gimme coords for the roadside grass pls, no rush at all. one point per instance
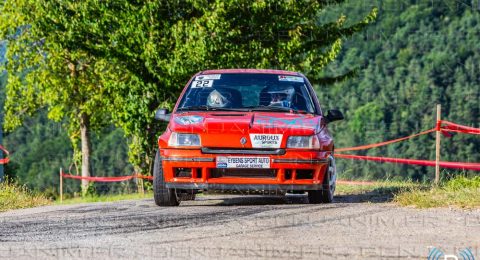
(459, 192)
(385, 187)
(13, 196)
(381, 191)
(104, 198)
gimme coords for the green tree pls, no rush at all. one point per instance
(158, 45)
(83, 58)
(41, 146)
(46, 68)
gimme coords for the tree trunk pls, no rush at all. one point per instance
(85, 135)
(137, 167)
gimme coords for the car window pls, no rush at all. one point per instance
(242, 91)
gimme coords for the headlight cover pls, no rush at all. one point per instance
(303, 142)
(179, 139)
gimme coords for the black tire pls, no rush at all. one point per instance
(329, 184)
(162, 195)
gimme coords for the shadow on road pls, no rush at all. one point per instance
(248, 200)
(376, 195)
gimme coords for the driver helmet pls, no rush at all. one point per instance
(281, 96)
(216, 99)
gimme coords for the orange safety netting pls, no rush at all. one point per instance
(442, 126)
(451, 165)
(452, 127)
(368, 146)
(107, 179)
(6, 159)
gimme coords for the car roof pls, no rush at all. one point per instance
(250, 71)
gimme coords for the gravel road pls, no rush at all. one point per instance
(227, 226)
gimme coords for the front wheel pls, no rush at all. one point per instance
(329, 184)
(161, 194)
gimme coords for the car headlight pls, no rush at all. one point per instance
(178, 139)
(304, 142)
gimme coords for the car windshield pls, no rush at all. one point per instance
(248, 92)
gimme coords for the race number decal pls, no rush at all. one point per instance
(266, 140)
(202, 83)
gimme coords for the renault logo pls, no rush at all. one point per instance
(243, 140)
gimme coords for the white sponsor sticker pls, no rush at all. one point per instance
(290, 78)
(266, 140)
(202, 83)
(209, 76)
(243, 162)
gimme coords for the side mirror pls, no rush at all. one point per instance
(162, 115)
(334, 115)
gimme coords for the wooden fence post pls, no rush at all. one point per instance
(437, 146)
(61, 186)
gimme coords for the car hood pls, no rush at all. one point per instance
(225, 129)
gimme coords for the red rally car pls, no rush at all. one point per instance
(245, 130)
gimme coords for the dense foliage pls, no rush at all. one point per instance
(46, 69)
(418, 54)
(91, 62)
(41, 147)
(158, 45)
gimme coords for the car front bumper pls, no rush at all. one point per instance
(290, 170)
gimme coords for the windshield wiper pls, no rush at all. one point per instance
(208, 108)
(194, 108)
(274, 108)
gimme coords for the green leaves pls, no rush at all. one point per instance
(120, 60)
(413, 58)
(161, 44)
(46, 66)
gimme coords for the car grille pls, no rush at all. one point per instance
(244, 173)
